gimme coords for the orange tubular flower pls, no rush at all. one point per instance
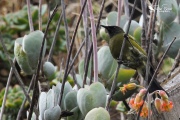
(158, 105)
(131, 102)
(136, 102)
(167, 105)
(144, 112)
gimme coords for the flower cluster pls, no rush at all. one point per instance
(137, 102)
(163, 104)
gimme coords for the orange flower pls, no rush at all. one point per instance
(136, 102)
(144, 112)
(158, 105)
(163, 94)
(167, 105)
(131, 102)
(123, 89)
(130, 86)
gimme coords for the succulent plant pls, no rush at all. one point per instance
(133, 27)
(167, 10)
(97, 114)
(89, 97)
(48, 106)
(27, 50)
(106, 63)
(49, 70)
(48, 103)
(13, 102)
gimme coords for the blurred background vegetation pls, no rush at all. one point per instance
(14, 24)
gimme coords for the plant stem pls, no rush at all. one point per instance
(150, 25)
(6, 91)
(70, 49)
(29, 16)
(126, 8)
(40, 18)
(91, 47)
(35, 93)
(86, 29)
(87, 66)
(68, 45)
(24, 101)
(72, 63)
(15, 70)
(54, 39)
(119, 12)
(94, 39)
(145, 20)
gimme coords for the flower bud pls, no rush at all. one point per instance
(142, 92)
(163, 94)
(130, 86)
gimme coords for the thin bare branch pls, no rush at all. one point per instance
(70, 49)
(6, 91)
(24, 101)
(119, 12)
(35, 93)
(15, 70)
(29, 16)
(72, 63)
(126, 7)
(40, 17)
(145, 25)
(54, 39)
(94, 39)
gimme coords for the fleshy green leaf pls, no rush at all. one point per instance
(90, 97)
(137, 34)
(70, 100)
(112, 18)
(134, 25)
(124, 76)
(167, 10)
(42, 104)
(21, 57)
(170, 31)
(52, 113)
(98, 114)
(32, 46)
(49, 70)
(50, 99)
(106, 63)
